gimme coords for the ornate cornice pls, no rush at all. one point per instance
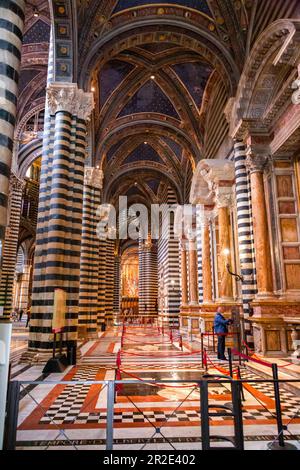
(68, 97)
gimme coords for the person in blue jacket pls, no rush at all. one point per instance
(220, 328)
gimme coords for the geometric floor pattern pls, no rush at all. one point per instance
(80, 410)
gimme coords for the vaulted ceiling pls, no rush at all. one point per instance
(161, 72)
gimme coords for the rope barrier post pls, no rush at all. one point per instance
(12, 409)
(238, 417)
(110, 415)
(205, 360)
(202, 350)
(230, 361)
(240, 378)
(239, 346)
(214, 340)
(204, 415)
(280, 426)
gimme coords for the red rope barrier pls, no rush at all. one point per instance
(258, 361)
(167, 354)
(158, 384)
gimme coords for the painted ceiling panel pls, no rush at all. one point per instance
(194, 76)
(142, 153)
(26, 76)
(39, 32)
(112, 150)
(200, 5)
(153, 184)
(149, 98)
(111, 75)
(177, 149)
(157, 47)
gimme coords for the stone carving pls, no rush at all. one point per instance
(296, 87)
(224, 196)
(93, 177)
(68, 97)
(256, 163)
(257, 339)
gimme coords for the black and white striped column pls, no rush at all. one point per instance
(11, 29)
(89, 258)
(101, 284)
(245, 234)
(10, 247)
(109, 284)
(57, 257)
(117, 286)
(168, 264)
(148, 278)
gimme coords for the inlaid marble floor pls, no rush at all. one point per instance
(62, 416)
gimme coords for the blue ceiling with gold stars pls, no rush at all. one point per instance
(194, 76)
(111, 75)
(141, 153)
(149, 98)
(200, 5)
(39, 32)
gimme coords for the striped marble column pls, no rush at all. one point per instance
(57, 256)
(109, 284)
(10, 246)
(117, 286)
(245, 234)
(148, 278)
(101, 284)
(89, 258)
(168, 264)
(11, 29)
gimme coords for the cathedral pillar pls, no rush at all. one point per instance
(245, 234)
(11, 30)
(193, 272)
(58, 244)
(89, 258)
(184, 276)
(223, 199)
(257, 159)
(10, 247)
(206, 261)
(101, 285)
(117, 286)
(148, 290)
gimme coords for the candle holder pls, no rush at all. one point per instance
(238, 277)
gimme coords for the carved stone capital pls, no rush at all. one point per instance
(93, 177)
(256, 163)
(224, 196)
(68, 97)
(296, 87)
(16, 184)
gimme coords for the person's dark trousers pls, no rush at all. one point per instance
(221, 346)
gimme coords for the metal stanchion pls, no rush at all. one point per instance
(230, 361)
(110, 415)
(214, 340)
(12, 409)
(279, 444)
(202, 350)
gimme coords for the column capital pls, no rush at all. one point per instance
(207, 217)
(258, 153)
(16, 183)
(68, 97)
(224, 196)
(93, 177)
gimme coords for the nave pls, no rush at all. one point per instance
(74, 416)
